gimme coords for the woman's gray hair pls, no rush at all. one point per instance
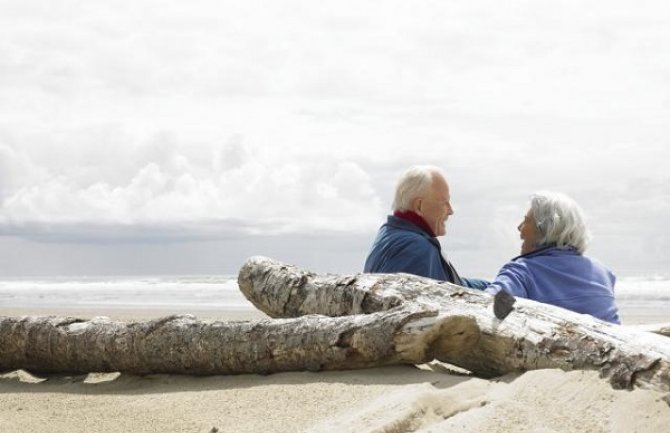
(559, 221)
(415, 182)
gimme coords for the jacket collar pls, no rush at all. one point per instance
(403, 224)
(549, 250)
(415, 219)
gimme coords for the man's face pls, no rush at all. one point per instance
(435, 207)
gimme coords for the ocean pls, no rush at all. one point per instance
(643, 296)
(157, 292)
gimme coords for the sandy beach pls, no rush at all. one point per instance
(153, 152)
(392, 399)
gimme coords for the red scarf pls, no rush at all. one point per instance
(415, 218)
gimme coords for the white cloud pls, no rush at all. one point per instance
(521, 57)
(16, 170)
(291, 117)
(175, 190)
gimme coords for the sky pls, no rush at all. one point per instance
(172, 137)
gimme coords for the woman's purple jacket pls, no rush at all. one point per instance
(561, 277)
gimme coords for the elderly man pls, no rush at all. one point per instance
(407, 242)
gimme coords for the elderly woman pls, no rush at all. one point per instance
(552, 268)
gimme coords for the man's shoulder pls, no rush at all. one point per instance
(395, 234)
(401, 226)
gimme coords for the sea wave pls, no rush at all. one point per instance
(218, 292)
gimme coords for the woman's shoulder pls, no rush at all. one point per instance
(517, 265)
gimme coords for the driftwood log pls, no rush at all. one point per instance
(343, 322)
(658, 328)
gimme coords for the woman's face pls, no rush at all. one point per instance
(528, 232)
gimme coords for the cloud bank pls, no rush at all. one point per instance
(223, 120)
(216, 192)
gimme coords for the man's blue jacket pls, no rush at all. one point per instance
(402, 246)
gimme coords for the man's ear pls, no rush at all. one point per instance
(416, 205)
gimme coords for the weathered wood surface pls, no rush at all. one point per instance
(533, 336)
(342, 322)
(182, 344)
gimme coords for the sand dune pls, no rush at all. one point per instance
(289, 402)
(538, 401)
(388, 400)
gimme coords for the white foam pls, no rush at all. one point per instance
(220, 292)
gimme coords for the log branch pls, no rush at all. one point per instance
(185, 345)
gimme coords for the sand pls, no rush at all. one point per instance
(391, 400)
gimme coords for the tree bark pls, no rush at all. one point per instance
(342, 322)
(184, 345)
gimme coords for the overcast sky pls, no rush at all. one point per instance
(181, 137)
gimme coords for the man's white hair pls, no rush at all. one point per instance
(559, 221)
(415, 182)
